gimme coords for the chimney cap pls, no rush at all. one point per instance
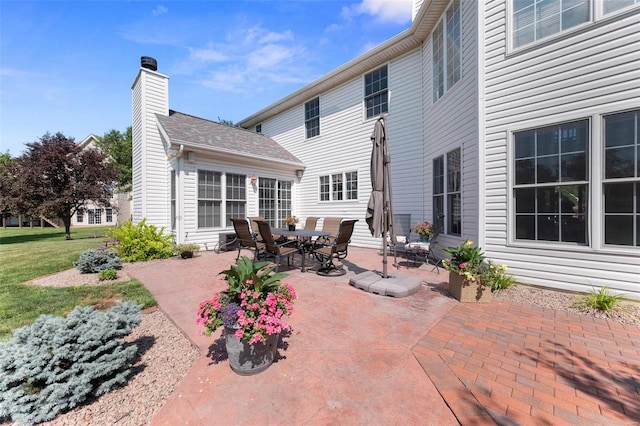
(149, 63)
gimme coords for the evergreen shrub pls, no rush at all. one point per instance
(56, 363)
(92, 261)
(137, 243)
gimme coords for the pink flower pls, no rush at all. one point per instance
(463, 265)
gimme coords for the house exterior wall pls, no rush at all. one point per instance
(582, 74)
(452, 122)
(150, 165)
(344, 145)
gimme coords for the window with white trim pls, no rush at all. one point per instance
(312, 117)
(173, 200)
(447, 51)
(236, 197)
(109, 215)
(209, 199)
(339, 186)
(80, 215)
(376, 96)
(535, 20)
(95, 216)
(274, 202)
(438, 193)
(551, 183)
(447, 193)
(621, 182)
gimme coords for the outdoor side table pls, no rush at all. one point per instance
(419, 252)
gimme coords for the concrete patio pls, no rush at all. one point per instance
(359, 358)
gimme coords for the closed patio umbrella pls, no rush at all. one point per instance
(379, 215)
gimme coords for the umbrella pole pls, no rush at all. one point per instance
(386, 197)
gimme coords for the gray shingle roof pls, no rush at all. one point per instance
(207, 134)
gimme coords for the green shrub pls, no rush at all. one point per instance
(107, 275)
(601, 300)
(495, 276)
(56, 363)
(141, 242)
(92, 261)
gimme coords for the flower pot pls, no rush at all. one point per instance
(292, 227)
(424, 238)
(468, 291)
(246, 359)
(186, 254)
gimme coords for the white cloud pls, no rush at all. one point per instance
(159, 10)
(207, 55)
(396, 11)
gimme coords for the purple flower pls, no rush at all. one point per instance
(229, 314)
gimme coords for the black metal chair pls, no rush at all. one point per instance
(246, 239)
(337, 249)
(274, 249)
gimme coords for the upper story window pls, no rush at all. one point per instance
(339, 186)
(376, 96)
(312, 117)
(259, 128)
(610, 6)
(447, 51)
(537, 19)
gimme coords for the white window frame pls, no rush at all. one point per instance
(447, 54)
(596, 12)
(312, 118)
(213, 200)
(338, 187)
(376, 93)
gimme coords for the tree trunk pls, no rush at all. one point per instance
(67, 227)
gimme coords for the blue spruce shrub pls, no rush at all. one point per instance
(56, 363)
(92, 261)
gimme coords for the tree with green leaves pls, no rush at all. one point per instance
(5, 182)
(118, 146)
(55, 177)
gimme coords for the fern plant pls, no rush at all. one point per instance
(56, 363)
(140, 242)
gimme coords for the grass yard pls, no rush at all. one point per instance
(31, 253)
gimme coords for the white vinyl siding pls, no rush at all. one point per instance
(587, 75)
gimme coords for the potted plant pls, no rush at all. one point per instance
(425, 230)
(186, 250)
(465, 273)
(291, 221)
(251, 310)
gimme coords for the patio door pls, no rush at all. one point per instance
(274, 201)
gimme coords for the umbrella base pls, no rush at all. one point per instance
(394, 285)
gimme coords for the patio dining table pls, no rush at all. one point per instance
(300, 235)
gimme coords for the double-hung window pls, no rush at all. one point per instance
(447, 50)
(621, 184)
(80, 215)
(109, 215)
(551, 183)
(209, 199)
(339, 186)
(447, 185)
(312, 117)
(376, 96)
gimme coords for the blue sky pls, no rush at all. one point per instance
(68, 66)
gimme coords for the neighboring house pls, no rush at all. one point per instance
(92, 214)
(514, 125)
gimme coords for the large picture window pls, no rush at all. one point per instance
(447, 50)
(621, 184)
(339, 186)
(376, 96)
(209, 199)
(312, 117)
(551, 183)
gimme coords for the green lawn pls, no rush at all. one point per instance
(30, 253)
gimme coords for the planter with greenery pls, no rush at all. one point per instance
(251, 310)
(186, 250)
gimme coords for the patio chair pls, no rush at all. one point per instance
(276, 250)
(246, 239)
(402, 227)
(331, 225)
(310, 223)
(424, 252)
(335, 250)
(254, 226)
